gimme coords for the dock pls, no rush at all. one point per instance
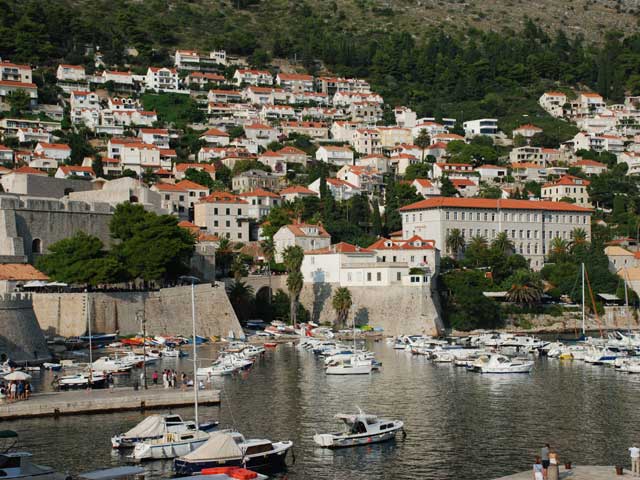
(83, 402)
(583, 472)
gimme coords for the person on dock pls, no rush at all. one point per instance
(538, 470)
(154, 378)
(165, 379)
(544, 456)
(634, 453)
(553, 470)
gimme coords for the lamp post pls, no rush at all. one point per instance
(193, 281)
(143, 328)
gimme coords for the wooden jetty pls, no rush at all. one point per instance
(103, 401)
(583, 472)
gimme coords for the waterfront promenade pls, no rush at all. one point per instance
(585, 472)
(103, 401)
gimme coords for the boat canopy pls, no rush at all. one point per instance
(351, 418)
(220, 446)
(152, 426)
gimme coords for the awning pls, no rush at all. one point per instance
(495, 294)
(609, 297)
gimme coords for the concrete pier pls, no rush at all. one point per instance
(584, 472)
(103, 401)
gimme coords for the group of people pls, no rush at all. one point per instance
(15, 390)
(170, 379)
(546, 466)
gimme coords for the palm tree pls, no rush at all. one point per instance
(526, 288)
(503, 243)
(240, 295)
(455, 242)
(578, 237)
(478, 242)
(223, 255)
(269, 252)
(423, 140)
(292, 258)
(341, 303)
(559, 248)
(238, 268)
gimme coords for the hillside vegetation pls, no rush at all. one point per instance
(425, 54)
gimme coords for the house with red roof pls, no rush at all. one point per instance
(70, 73)
(466, 187)
(567, 187)
(83, 99)
(277, 162)
(6, 154)
(335, 155)
(526, 131)
(489, 173)
(154, 136)
(292, 193)
(308, 236)
(454, 170)
(367, 179)
(315, 130)
(75, 171)
(59, 151)
(426, 187)
(590, 167)
(244, 76)
(215, 137)
(260, 133)
(295, 82)
(260, 202)
(340, 189)
(10, 86)
(530, 225)
(162, 79)
(178, 198)
(14, 72)
(223, 214)
(376, 161)
(416, 252)
(201, 79)
(180, 169)
(553, 103)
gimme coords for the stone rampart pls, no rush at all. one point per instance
(398, 309)
(167, 311)
(20, 336)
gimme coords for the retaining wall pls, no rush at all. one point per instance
(20, 336)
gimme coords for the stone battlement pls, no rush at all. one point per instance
(43, 204)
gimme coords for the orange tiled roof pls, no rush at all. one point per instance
(341, 247)
(20, 271)
(490, 203)
(222, 197)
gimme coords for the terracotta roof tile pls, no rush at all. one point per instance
(489, 203)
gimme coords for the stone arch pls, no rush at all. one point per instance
(36, 245)
(263, 293)
(133, 199)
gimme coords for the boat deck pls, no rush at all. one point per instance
(80, 402)
(583, 472)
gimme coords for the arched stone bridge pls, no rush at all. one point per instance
(260, 282)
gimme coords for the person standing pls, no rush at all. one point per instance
(537, 469)
(544, 456)
(154, 378)
(165, 380)
(553, 471)
(634, 453)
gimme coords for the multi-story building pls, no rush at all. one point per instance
(567, 186)
(261, 134)
(367, 179)
(315, 130)
(335, 155)
(483, 126)
(223, 214)
(7, 87)
(201, 79)
(553, 103)
(366, 141)
(294, 82)
(162, 79)
(70, 73)
(59, 151)
(526, 131)
(155, 136)
(304, 235)
(530, 225)
(255, 179)
(340, 189)
(252, 77)
(453, 170)
(292, 193)
(393, 136)
(15, 73)
(178, 198)
(260, 202)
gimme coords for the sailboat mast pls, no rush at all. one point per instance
(88, 317)
(195, 357)
(583, 304)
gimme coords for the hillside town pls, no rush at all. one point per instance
(265, 139)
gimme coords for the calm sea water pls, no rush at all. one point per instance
(460, 425)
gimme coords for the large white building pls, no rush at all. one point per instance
(567, 186)
(305, 235)
(223, 214)
(161, 79)
(530, 225)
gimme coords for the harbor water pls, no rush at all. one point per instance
(460, 425)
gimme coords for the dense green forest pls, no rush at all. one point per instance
(465, 74)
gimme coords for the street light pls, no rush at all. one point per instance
(143, 327)
(193, 280)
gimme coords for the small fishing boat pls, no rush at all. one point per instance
(52, 366)
(228, 448)
(350, 365)
(154, 427)
(360, 429)
(496, 363)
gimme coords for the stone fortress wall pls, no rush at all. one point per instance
(20, 336)
(167, 312)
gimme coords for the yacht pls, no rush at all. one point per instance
(170, 445)
(81, 380)
(360, 429)
(496, 363)
(229, 448)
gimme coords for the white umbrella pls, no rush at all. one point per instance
(35, 284)
(17, 375)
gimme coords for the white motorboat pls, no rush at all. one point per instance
(215, 371)
(154, 427)
(81, 380)
(601, 356)
(360, 429)
(228, 448)
(350, 365)
(496, 363)
(111, 365)
(170, 445)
